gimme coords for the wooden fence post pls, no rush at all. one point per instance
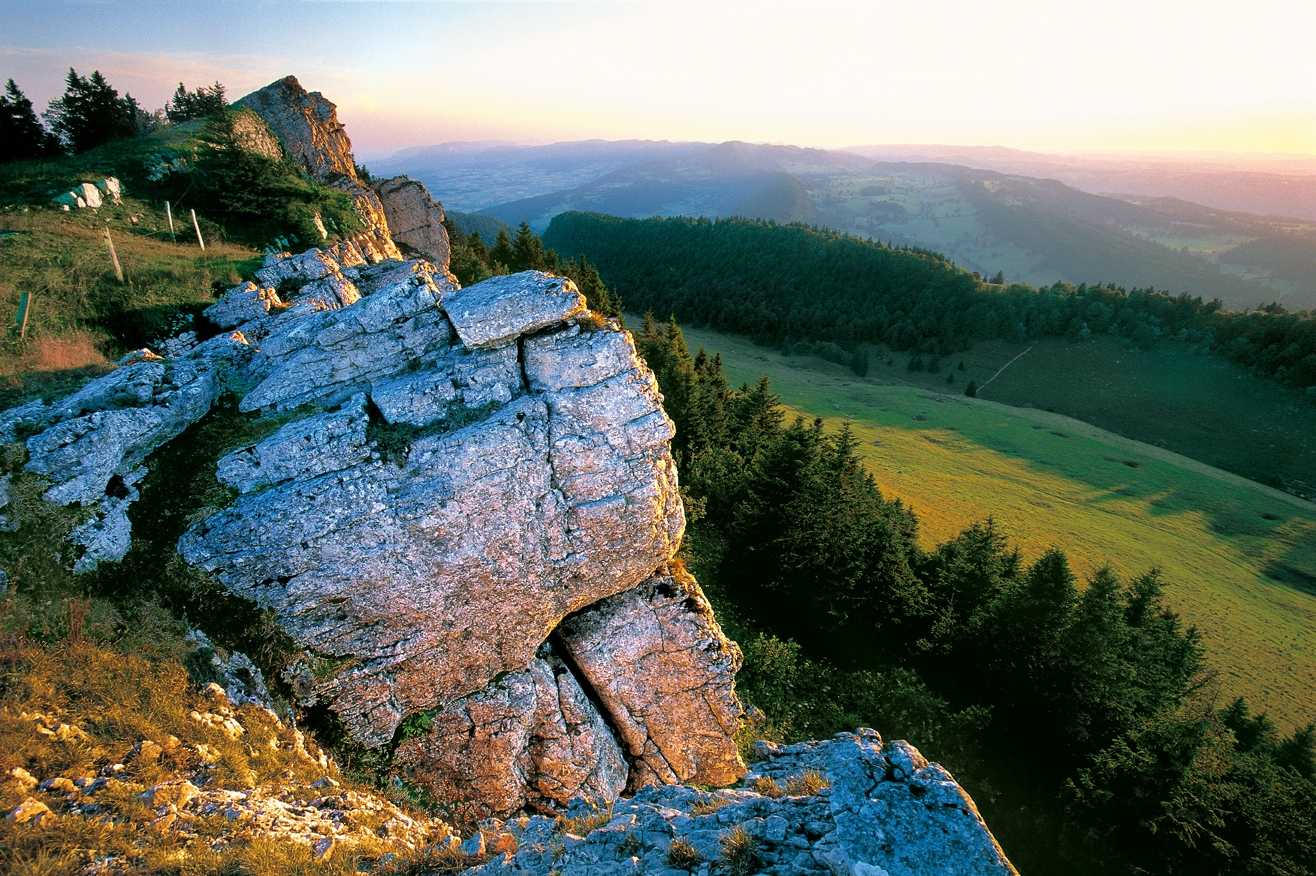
(24, 304)
(198, 230)
(170, 214)
(114, 257)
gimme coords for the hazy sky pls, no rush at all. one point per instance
(1040, 74)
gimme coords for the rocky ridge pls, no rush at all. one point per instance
(466, 521)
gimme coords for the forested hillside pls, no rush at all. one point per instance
(780, 283)
(1082, 717)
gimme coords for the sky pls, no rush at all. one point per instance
(1047, 75)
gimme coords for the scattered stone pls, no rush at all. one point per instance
(31, 811)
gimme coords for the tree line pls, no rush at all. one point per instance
(786, 284)
(472, 260)
(1087, 711)
(91, 113)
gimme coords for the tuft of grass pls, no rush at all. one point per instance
(739, 851)
(767, 786)
(806, 784)
(583, 825)
(682, 854)
(708, 804)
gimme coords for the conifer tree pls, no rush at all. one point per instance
(502, 256)
(91, 113)
(199, 104)
(22, 135)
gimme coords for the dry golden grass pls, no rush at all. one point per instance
(708, 804)
(806, 784)
(113, 679)
(767, 786)
(77, 349)
(739, 851)
(583, 825)
(682, 854)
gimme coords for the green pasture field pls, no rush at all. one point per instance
(1238, 558)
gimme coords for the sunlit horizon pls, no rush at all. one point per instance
(1159, 77)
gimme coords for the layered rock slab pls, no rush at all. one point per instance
(663, 671)
(519, 501)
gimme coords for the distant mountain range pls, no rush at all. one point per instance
(1031, 216)
(1262, 183)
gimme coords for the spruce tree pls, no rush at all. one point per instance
(91, 113)
(528, 252)
(502, 256)
(22, 135)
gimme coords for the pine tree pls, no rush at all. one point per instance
(528, 252)
(91, 113)
(22, 135)
(199, 104)
(502, 256)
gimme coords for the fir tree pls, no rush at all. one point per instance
(91, 113)
(22, 135)
(202, 103)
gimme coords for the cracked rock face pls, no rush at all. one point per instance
(414, 218)
(659, 664)
(531, 738)
(462, 470)
(308, 127)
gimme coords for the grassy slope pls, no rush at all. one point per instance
(81, 316)
(1050, 480)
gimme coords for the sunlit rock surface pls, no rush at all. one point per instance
(848, 806)
(414, 218)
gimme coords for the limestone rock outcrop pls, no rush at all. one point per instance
(848, 806)
(537, 481)
(458, 471)
(307, 125)
(397, 210)
(414, 218)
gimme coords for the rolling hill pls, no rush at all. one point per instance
(1032, 230)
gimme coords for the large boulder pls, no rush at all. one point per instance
(462, 470)
(414, 218)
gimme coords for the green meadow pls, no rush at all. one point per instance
(1238, 557)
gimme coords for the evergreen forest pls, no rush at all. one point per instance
(787, 284)
(1082, 716)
